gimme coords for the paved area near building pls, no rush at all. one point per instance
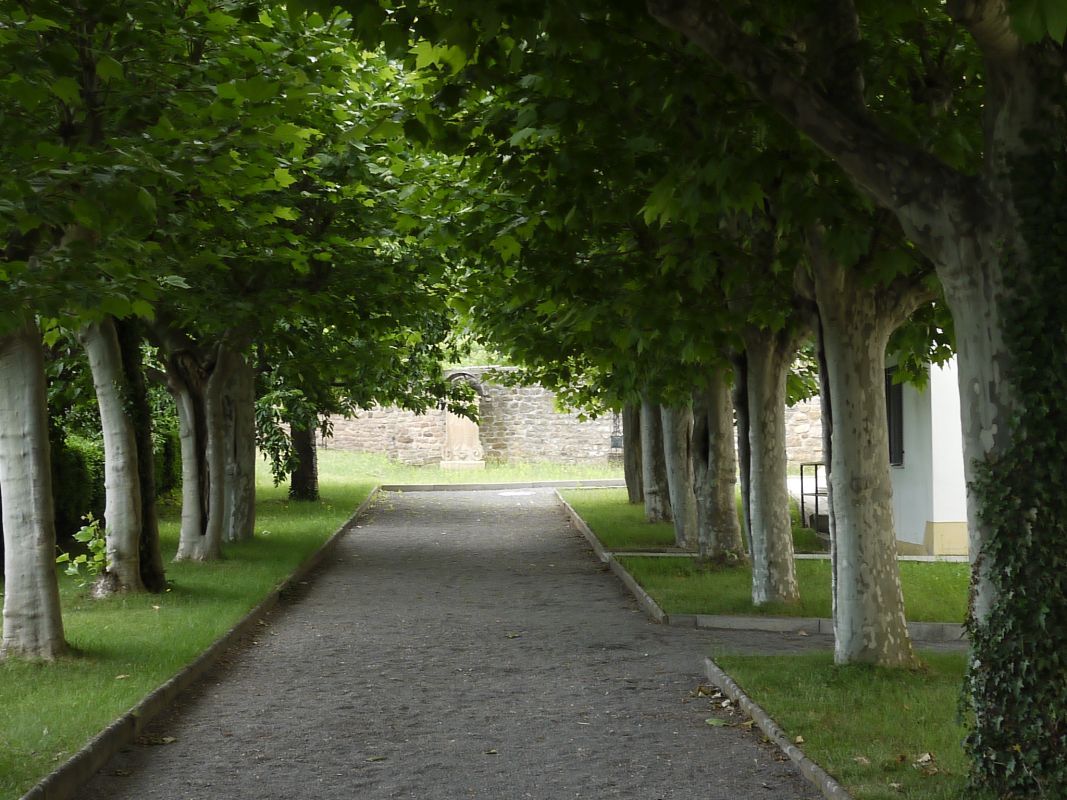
(460, 645)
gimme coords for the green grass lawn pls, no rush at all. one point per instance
(933, 592)
(620, 525)
(127, 646)
(870, 728)
(382, 470)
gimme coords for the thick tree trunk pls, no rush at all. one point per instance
(198, 392)
(239, 402)
(773, 571)
(856, 321)
(304, 480)
(653, 465)
(715, 471)
(122, 476)
(677, 425)
(826, 407)
(153, 575)
(744, 445)
(33, 626)
(631, 452)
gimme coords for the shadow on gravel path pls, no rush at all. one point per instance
(459, 645)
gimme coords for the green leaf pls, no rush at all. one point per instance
(1056, 19)
(283, 178)
(715, 722)
(508, 246)
(66, 89)
(108, 69)
(285, 212)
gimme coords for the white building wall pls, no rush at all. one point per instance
(950, 488)
(913, 481)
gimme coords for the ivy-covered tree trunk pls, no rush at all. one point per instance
(715, 470)
(153, 575)
(122, 476)
(857, 319)
(653, 465)
(33, 626)
(631, 452)
(239, 404)
(677, 422)
(773, 571)
(997, 240)
(304, 479)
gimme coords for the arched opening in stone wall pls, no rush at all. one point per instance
(462, 443)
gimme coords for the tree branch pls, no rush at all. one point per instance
(914, 184)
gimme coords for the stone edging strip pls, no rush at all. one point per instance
(583, 483)
(820, 778)
(64, 782)
(921, 631)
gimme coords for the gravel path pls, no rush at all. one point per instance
(459, 645)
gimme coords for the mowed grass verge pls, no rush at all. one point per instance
(125, 647)
(619, 525)
(884, 734)
(933, 592)
(382, 470)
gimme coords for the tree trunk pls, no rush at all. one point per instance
(239, 403)
(857, 320)
(153, 575)
(653, 465)
(773, 571)
(677, 425)
(631, 455)
(198, 389)
(744, 445)
(826, 414)
(122, 484)
(33, 626)
(304, 480)
(715, 471)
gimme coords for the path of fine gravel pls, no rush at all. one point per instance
(459, 645)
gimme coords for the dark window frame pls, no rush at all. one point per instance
(894, 414)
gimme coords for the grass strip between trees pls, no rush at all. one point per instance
(127, 646)
(884, 734)
(621, 526)
(933, 592)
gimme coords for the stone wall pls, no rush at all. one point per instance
(803, 432)
(517, 424)
(521, 424)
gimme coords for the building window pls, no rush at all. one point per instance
(894, 407)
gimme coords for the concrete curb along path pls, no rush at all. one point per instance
(825, 783)
(65, 781)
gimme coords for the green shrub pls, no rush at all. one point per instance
(167, 451)
(77, 481)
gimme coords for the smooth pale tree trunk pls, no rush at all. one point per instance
(715, 471)
(33, 627)
(122, 477)
(304, 479)
(198, 391)
(773, 571)
(677, 422)
(631, 452)
(153, 575)
(239, 403)
(856, 322)
(653, 465)
(744, 446)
